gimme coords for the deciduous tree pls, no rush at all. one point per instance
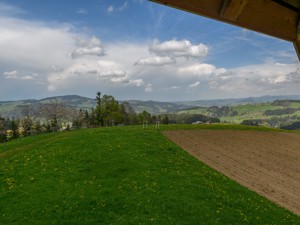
(108, 110)
(54, 112)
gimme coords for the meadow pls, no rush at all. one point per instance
(248, 112)
(122, 175)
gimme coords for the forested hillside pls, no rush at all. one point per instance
(278, 113)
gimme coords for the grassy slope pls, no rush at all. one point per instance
(250, 111)
(121, 176)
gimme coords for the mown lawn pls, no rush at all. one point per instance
(121, 175)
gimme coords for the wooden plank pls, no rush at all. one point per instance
(297, 48)
(232, 9)
(269, 18)
(295, 3)
(207, 8)
(263, 16)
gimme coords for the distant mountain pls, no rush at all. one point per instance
(154, 107)
(13, 108)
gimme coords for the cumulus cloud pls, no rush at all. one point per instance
(85, 69)
(92, 71)
(201, 70)
(112, 73)
(86, 47)
(11, 74)
(165, 53)
(182, 48)
(293, 77)
(15, 75)
(137, 82)
(32, 49)
(256, 80)
(155, 61)
(283, 79)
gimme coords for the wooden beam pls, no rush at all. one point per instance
(265, 16)
(297, 48)
(297, 41)
(298, 31)
(232, 9)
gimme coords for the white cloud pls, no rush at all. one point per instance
(27, 78)
(92, 71)
(257, 80)
(113, 73)
(169, 52)
(201, 70)
(137, 82)
(123, 79)
(85, 47)
(33, 45)
(182, 48)
(155, 61)
(148, 88)
(292, 77)
(121, 8)
(11, 74)
(15, 75)
(194, 85)
(83, 68)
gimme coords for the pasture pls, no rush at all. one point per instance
(122, 175)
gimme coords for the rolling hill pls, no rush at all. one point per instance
(12, 108)
(121, 175)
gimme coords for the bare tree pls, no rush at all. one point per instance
(54, 112)
(28, 111)
(2, 130)
(27, 121)
(77, 117)
(2, 123)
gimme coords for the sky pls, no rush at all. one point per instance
(135, 49)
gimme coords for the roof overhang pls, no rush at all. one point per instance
(277, 18)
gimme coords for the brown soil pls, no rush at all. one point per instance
(265, 162)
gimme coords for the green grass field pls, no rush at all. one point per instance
(247, 111)
(121, 175)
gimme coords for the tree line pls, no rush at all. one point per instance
(57, 116)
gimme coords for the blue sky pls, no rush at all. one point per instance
(135, 49)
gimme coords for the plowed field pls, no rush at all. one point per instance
(265, 162)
